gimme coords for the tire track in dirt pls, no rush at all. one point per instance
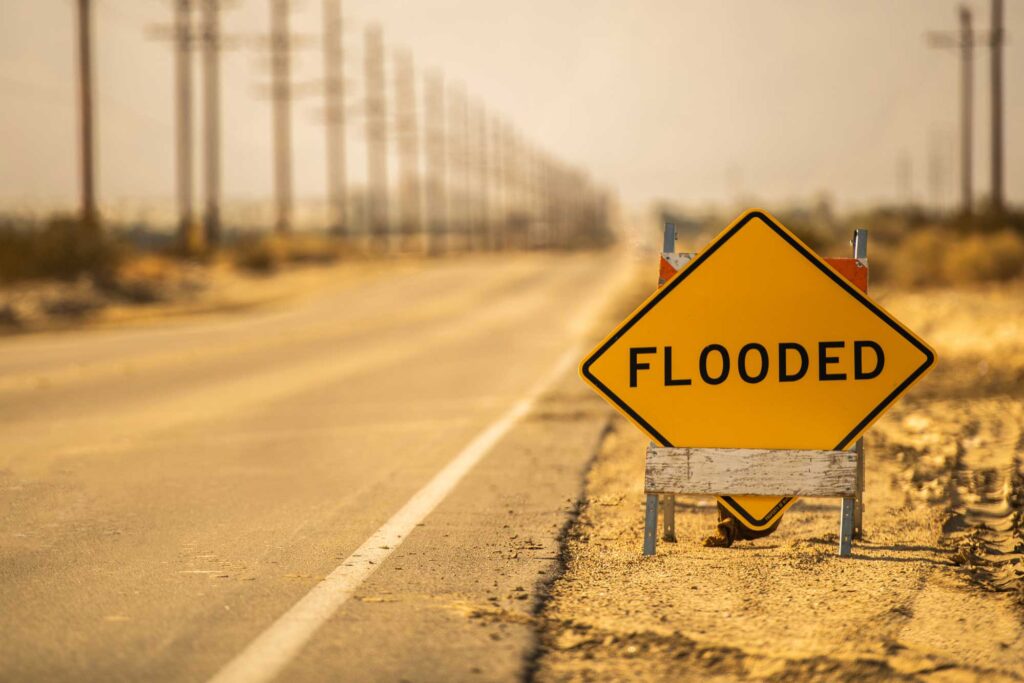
(963, 435)
(980, 477)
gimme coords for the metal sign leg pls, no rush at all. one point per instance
(651, 525)
(668, 532)
(846, 527)
(858, 510)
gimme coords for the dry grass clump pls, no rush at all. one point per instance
(940, 256)
(980, 258)
(267, 254)
(61, 248)
(152, 277)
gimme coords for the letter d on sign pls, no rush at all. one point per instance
(858, 360)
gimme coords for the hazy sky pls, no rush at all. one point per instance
(693, 101)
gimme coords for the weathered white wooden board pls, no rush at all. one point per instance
(739, 471)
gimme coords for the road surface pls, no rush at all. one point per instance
(168, 493)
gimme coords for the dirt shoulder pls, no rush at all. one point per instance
(933, 592)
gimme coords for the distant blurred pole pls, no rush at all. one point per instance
(334, 106)
(471, 162)
(183, 118)
(904, 180)
(280, 66)
(88, 182)
(513, 192)
(455, 132)
(937, 169)
(497, 203)
(407, 135)
(434, 132)
(543, 187)
(997, 40)
(210, 32)
(376, 137)
(537, 191)
(966, 108)
(963, 40)
(483, 171)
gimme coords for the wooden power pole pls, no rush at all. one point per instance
(376, 138)
(964, 42)
(334, 108)
(407, 135)
(434, 132)
(210, 33)
(281, 94)
(482, 170)
(997, 106)
(183, 117)
(966, 109)
(88, 168)
(457, 147)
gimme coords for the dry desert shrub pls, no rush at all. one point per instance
(936, 256)
(148, 278)
(62, 248)
(917, 261)
(268, 254)
(982, 258)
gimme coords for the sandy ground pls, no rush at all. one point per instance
(933, 592)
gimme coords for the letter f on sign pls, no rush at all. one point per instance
(634, 362)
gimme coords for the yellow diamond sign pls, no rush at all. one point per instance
(757, 343)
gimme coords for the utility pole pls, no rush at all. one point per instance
(280, 74)
(483, 171)
(334, 106)
(474, 178)
(458, 175)
(408, 148)
(963, 41)
(511, 164)
(966, 107)
(87, 180)
(376, 138)
(183, 84)
(434, 127)
(997, 106)
(210, 32)
(497, 159)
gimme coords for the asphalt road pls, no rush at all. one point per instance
(168, 492)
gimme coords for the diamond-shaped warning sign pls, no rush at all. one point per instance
(757, 343)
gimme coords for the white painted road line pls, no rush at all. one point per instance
(266, 656)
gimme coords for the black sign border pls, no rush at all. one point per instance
(820, 265)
